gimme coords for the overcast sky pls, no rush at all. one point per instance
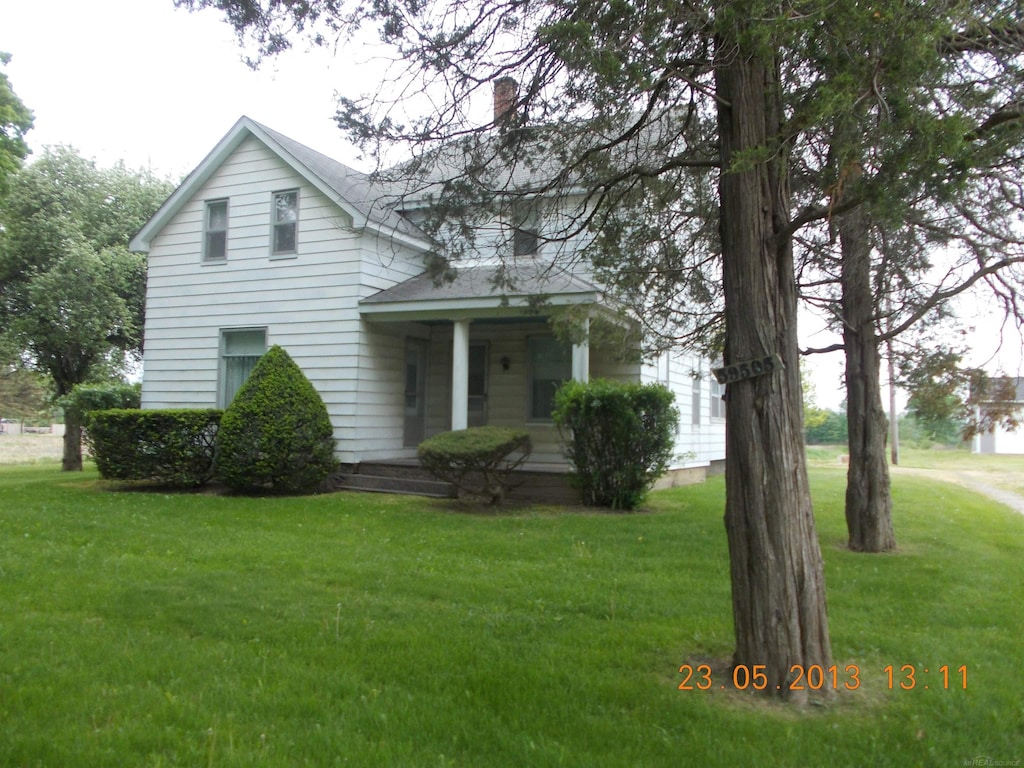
(144, 82)
(157, 87)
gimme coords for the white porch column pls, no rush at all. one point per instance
(460, 374)
(581, 356)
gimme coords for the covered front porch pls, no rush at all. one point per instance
(473, 357)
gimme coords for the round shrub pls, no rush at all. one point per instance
(479, 461)
(276, 434)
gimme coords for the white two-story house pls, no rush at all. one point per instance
(270, 242)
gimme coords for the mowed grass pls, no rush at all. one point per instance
(150, 629)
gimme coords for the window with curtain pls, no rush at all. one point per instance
(240, 351)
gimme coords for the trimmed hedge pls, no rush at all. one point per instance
(276, 434)
(478, 461)
(173, 447)
(619, 438)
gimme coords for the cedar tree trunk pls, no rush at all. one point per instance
(778, 582)
(868, 500)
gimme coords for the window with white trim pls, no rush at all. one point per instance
(549, 366)
(284, 240)
(241, 349)
(717, 399)
(215, 235)
(525, 231)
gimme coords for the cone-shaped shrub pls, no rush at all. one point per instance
(276, 434)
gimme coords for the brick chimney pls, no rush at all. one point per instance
(506, 91)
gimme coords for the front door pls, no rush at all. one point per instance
(415, 392)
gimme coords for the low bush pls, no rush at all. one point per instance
(619, 438)
(276, 434)
(478, 461)
(173, 447)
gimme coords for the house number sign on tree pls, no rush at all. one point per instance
(749, 369)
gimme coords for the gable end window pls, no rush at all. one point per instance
(215, 241)
(286, 219)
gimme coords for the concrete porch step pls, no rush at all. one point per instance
(413, 486)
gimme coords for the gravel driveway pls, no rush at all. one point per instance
(976, 481)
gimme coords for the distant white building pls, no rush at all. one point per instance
(1001, 440)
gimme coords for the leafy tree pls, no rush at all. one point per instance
(827, 427)
(15, 122)
(71, 295)
(23, 393)
(623, 109)
(276, 434)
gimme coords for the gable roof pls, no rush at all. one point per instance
(352, 191)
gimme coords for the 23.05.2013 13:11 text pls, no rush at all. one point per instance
(815, 677)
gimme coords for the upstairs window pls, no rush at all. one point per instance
(215, 245)
(286, 218)
(524, 242)
(525, 230)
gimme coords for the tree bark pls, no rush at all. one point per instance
(72, 461)
(868, 498)
(778, 582)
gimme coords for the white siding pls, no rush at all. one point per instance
(700, 438)
(1001, 440)
(307, 302)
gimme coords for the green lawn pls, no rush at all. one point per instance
(148, 629)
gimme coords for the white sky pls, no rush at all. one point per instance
(144, 82)
(157, 87)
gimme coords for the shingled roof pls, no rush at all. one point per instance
(354, 192)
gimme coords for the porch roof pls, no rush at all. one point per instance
(473, 294)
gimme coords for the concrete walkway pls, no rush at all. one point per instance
(976, 481)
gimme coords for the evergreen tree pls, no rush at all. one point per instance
(621, 109)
